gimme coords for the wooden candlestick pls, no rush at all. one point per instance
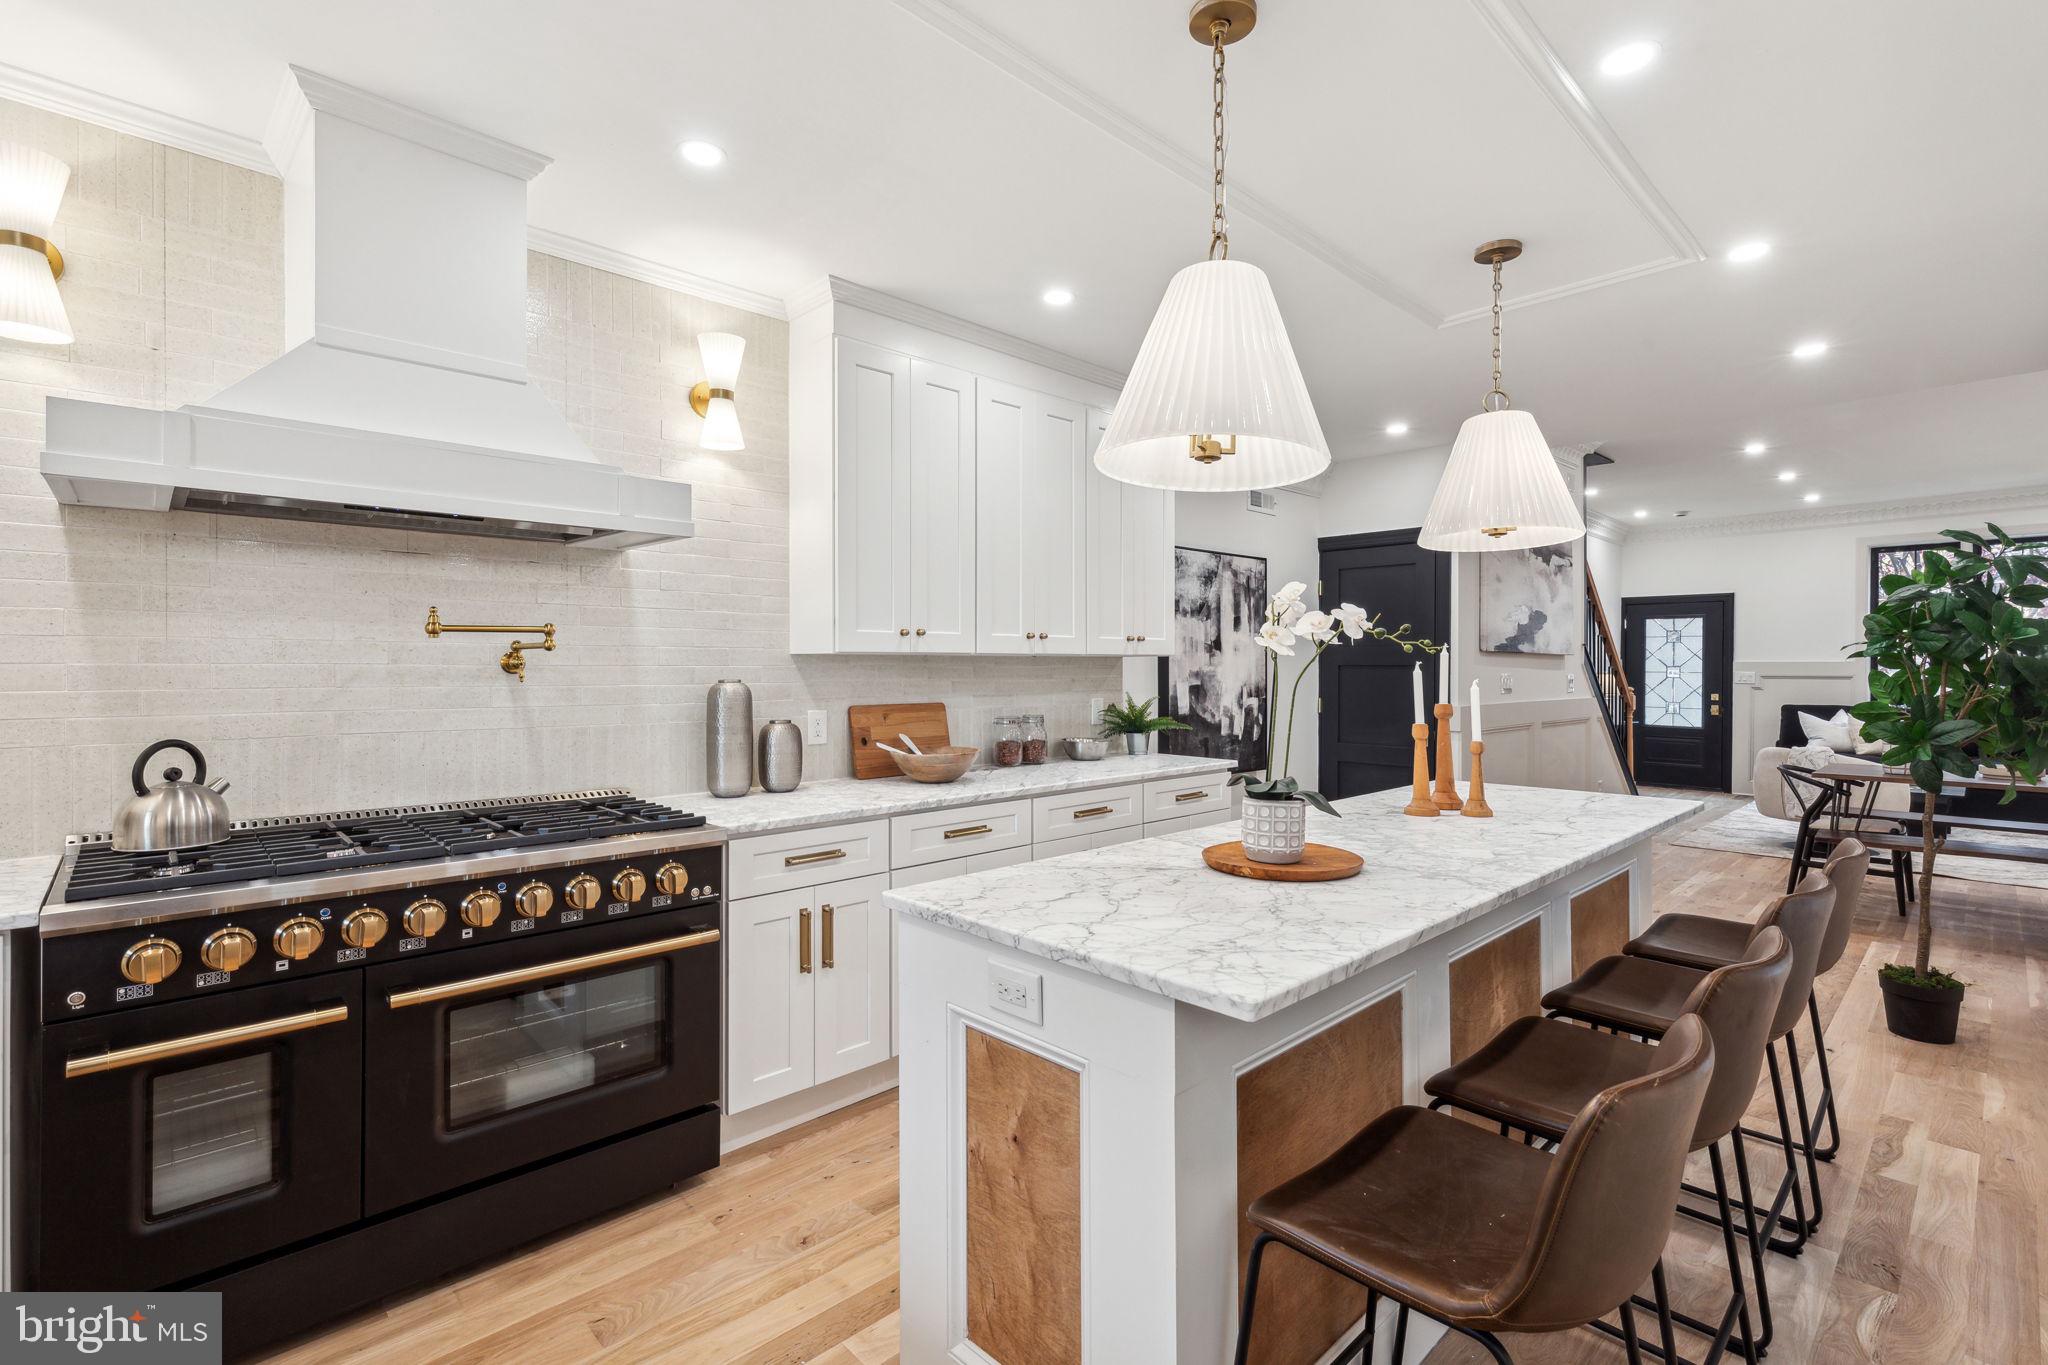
(1446, 776)
(1419, 802)
(1475, 799)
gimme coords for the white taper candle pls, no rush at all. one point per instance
(1476, 736)
(1416, 678)
(1443, 676)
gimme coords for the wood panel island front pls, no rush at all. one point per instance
(1106, 1056)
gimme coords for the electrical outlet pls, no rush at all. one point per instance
(814, 728)
(1507, 683)
(1745, 678)
(1016, 991)
(1571, 682)
(1095, 710)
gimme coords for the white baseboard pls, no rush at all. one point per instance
(766, 1120)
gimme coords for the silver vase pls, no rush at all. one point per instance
(729, 738)
(1137, 743)
(781, 756)
(1275, 831)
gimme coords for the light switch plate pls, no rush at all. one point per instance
(1571, 682)
(1016, 991)
(1745, 678)
(1095, 710)
(814, 728)
(1507, 683)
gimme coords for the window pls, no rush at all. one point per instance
(1891, 559)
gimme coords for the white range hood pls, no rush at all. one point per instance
(403, 400)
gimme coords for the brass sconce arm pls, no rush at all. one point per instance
(513, 660)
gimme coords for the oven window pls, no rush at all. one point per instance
(212, 1132)
(521, 1049)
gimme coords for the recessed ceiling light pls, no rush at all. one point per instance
(1787, 475)
(1809, 350)
(1813, 497)
(1642, 512)
(1592, 492)
(701, 154)
(1057, 297)
(1397, 428)
(1755, 448)
(1742, 253)
(1628, 59)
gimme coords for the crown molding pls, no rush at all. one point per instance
(652, 272)
(152, 125)
(329, 96)
(835, 290)
(1855, 514)
(1603, 527)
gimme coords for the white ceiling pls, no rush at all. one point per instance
(966, 154)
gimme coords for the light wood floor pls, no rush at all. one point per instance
(1931, 1250)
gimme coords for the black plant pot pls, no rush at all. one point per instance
(1924, 1014)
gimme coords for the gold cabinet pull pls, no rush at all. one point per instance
(799, 859)
(563, 966)
(95, 1063)
(803, 940)
(827, 963)
(1189, 796)
(1094, 810)
(965, 830)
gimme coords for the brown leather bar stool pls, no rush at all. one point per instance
(1641, 996)
(1707, 942)
(1536, 1074)
(1484, 1234)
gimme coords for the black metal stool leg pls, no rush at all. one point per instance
(1489, 1341)
(1251, 1294)
(1826, 1103)
(1360, 1348)
(1665, 1336)
(1740, 1300)
(1805, 1127)
(1756, 1243)
(1628, 1335)
(1401, 1335)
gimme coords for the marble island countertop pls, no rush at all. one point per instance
(1150, 914)
(834, 799)
(23, 883)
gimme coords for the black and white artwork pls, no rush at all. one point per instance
(1526, 600)
(1215, 678)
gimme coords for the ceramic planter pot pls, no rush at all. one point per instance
(1923, 1014)
(1137, 745)
(1275, 831)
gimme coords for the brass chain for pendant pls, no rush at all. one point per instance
(1219, 223)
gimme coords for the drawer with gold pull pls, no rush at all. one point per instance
(1084, 812)
(767, 863)
(928, 836)
(1174, 797)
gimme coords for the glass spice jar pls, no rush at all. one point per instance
(1033, 735)
(1009, 741)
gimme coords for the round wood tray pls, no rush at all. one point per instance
(1319, 863)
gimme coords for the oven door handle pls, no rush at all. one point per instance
(95, 1063)
(477, 985)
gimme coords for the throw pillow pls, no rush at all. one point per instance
(1833, 732)
(1868, 748)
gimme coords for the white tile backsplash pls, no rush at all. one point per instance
(295, 655)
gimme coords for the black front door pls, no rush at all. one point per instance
(1365, 688)
(1680, 657)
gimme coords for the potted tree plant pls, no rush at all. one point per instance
(1136, 723)
(1958, 683)
(1277, 832)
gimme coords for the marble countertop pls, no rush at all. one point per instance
(834, 799)
(1152, 915)
(23, 883)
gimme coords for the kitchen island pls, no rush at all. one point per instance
(1106, 1056)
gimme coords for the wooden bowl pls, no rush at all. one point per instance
(937, 765)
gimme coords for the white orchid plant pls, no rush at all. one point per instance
(1290, 623)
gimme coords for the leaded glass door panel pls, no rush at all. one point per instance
(1679, 658)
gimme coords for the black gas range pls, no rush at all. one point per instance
(338, 1054)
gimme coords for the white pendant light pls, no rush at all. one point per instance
(1502, 490)
(31, 186)
(712, 399)
(1215, 400)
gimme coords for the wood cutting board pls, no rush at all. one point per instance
(1319, 863)
(923, 721)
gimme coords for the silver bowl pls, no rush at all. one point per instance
(1085, 748)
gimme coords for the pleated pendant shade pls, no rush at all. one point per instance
(31, 186)
(1215, 362)
(1500, 478)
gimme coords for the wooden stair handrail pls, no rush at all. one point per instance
(1613, 649)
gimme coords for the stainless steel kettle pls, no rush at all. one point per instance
(175, 813)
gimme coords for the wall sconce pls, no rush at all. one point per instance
(31, 186)
(712, 399)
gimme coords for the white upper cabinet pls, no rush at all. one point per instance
(873, 419)
(1031, 531)
(942, 508)
(1130, 561)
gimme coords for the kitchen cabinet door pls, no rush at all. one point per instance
(1147, 569)
(854, 971)
(1107, 632)
(1030, 527)
(1055, 522)
(1002, 468)
(872, 419)
(770, 1033)
(941, 507)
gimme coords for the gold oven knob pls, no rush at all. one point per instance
(150, 961)
(227, 950)
(424, 918)
(364, 928)
(672, 880)
(480, 909)
(582, 891)
(297, 938)
(630, 885)
(533, 900)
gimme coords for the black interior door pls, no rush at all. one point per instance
(1679, 652)
(1365, 690)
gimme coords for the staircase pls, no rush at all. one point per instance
(1610, 680)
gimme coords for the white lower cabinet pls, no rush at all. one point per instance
(1081, 843)
(1176, 823)
(808, 977)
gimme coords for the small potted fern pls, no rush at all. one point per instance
(1135, 722)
